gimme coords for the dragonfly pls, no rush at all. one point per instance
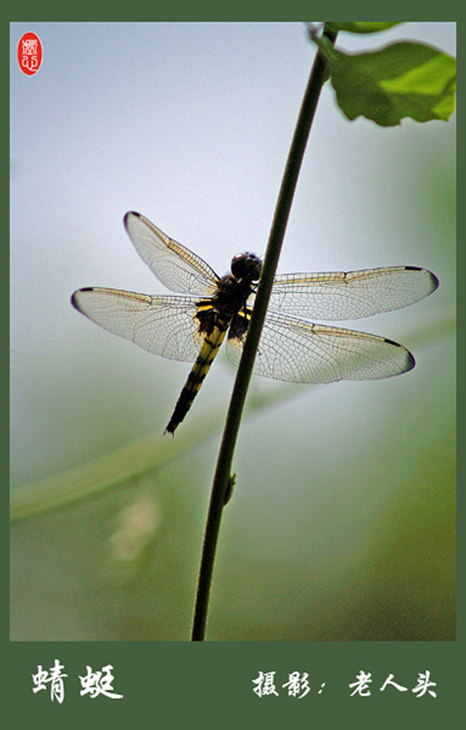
(192, 325)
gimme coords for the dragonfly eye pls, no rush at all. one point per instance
(246, 265)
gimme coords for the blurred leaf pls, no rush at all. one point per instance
(401, 80)
(360, 27)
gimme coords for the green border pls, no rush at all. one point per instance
(212, 682)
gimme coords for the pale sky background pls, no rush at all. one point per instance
(190, 124)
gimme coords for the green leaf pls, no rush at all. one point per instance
(401, 80)
(360, 27)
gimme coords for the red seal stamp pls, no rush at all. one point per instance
(29, 54)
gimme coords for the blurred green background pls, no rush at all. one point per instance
(342, 522)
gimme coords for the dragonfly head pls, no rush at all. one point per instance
(246, 266)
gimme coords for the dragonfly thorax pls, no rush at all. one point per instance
(231, 295)
(246, 266)
(234, 289)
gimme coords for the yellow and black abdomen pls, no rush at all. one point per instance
(215, 314)
(209, 349)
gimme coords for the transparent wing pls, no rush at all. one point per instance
(178, 268)
(350, 295)
(298, 351)
(164, 325)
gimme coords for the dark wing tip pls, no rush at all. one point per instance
(434, 282)
(128, 215)
(410, 362)
(75, 298)
(409, 357)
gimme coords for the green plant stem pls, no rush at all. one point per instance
(222, 477)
